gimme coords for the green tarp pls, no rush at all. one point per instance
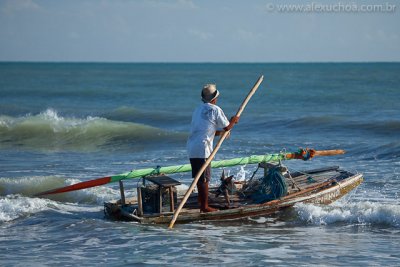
(186, 167)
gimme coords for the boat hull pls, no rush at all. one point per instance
(324, 192)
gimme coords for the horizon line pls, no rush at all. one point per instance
(198, 62)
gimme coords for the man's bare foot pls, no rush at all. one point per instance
(209, 209)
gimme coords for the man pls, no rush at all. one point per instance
(207, 121)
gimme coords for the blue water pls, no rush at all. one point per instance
(61, 123)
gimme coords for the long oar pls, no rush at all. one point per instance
(208, 161)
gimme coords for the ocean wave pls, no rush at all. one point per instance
(13, 207)
(155, 117)
(373, 151)
(360, 213)
(388, 127)
(17, 201)
(50, 131)
(335, 123)
(31, 185)
(386, 151)
(315, 121)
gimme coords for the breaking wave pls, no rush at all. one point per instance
(17, 201)
(364, 213)
(13, 207)
(50, 131)
(31, 185)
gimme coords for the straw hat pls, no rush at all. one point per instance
(209, 93)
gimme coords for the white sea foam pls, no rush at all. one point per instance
(51, 114)
(242, 174)
(31, 185)
(364, 212)
(14, 206)
(94, 195)
(17, 199)
(181, 189)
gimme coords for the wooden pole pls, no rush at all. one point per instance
(329, 152)
(139, 199)
(211, 157)
(313, 153)
(122, 191)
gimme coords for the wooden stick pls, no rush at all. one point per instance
(208, 161)
(329, 152)
(122, 191)
(298, 155)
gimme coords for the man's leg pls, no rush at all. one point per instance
(205, 207)
(202, 183)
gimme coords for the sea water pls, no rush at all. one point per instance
(62, 123)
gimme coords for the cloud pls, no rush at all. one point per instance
(9, 7)
(73, 35)
(200, 34)
(381, 36)
(187, 4)
(172, 4)
(249, 36)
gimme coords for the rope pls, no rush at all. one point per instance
(305, 154)
(156, 171)
(254, 173)
(293, 182)
(273, 186)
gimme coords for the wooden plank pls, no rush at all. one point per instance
(171, 199)
(314, 171)
(121, 190)
(160, 198)
(163, 180)
(139, 200)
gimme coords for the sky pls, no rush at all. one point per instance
(198, 31)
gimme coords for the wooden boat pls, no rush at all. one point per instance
(275, 189)
(321, 186)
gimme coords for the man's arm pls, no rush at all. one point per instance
(232, 122)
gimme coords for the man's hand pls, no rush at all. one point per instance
(219, 133)
(234, 119)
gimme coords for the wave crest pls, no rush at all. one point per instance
(17, 201)
(50, 131)
(365, 212)
(31, 185)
